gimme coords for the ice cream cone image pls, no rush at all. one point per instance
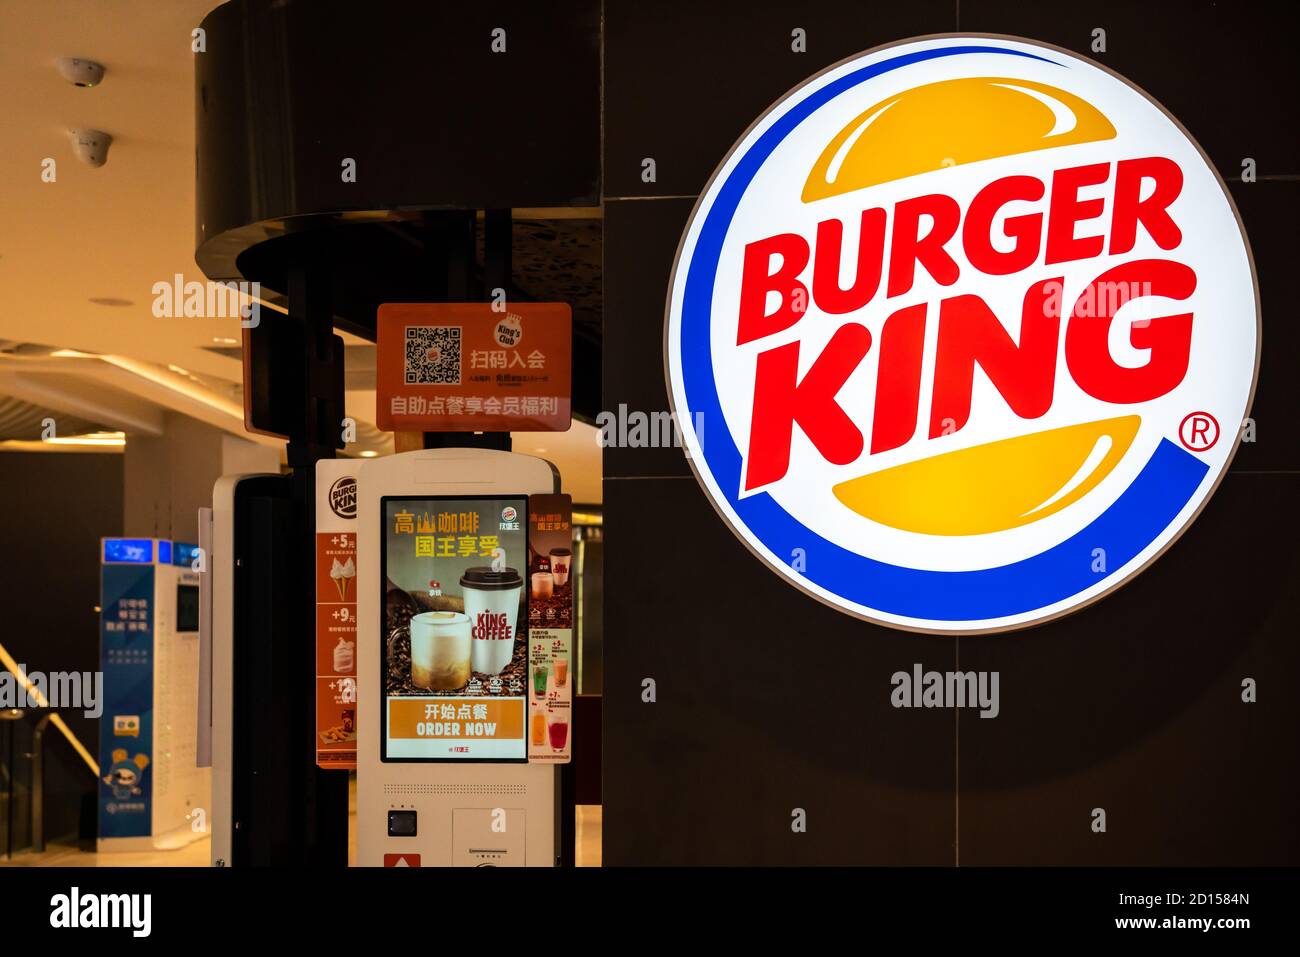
(349, 573)
(342, 573)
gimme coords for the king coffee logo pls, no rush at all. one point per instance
(493, 626)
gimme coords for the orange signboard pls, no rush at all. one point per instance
(465, 718)
(336, 614)
(474, 367)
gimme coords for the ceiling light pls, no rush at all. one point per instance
(178, 370)
(196, 392)
(225, 341)
(92, 438)
(72, 354)
(368, 454)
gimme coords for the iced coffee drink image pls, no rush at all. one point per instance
(543, 584)
(440, 650)
(560, 558)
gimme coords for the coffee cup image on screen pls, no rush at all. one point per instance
(492, 597)
(560, 559)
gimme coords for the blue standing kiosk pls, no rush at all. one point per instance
(152, 794)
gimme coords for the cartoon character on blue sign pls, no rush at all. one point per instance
(124, 776)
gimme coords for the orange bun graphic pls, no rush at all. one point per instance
(994, 486)
(951, 123)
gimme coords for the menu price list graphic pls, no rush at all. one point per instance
(550, 629)
(336, 641)
(336, 617)
(550, 695)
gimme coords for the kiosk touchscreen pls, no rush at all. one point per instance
(442, 658)
(455, 654)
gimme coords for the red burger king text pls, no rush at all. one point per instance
(969, 333)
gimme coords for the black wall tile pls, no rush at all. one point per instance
(683, 80)
(1134, 705)
(641, 238)
(1269, 211)
(1222, 69)
(767, 701)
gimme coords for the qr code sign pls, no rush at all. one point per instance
(432, 355)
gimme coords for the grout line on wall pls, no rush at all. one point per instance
(956, 765)
(601, 34)
(637, 199)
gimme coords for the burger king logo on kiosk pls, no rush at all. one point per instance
(962, 333)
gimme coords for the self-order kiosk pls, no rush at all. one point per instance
(443, 776)
(439, 710)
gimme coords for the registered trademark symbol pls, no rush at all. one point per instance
(1198, 431)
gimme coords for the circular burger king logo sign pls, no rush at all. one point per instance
(961, 334)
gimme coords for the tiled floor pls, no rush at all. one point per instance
(198, 854)
(589, 824)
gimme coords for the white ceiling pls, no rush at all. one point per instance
(112, 232)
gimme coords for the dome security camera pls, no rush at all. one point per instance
(81, 72)
(91, 146)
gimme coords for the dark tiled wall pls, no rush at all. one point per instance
(59, 505)
(768, 701)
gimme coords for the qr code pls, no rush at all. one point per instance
(432, 355)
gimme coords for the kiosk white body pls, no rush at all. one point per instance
(439, 813)
(217, 538)
(219, 668)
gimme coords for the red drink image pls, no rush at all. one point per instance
(559, 732)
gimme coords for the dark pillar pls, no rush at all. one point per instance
(322, 795)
